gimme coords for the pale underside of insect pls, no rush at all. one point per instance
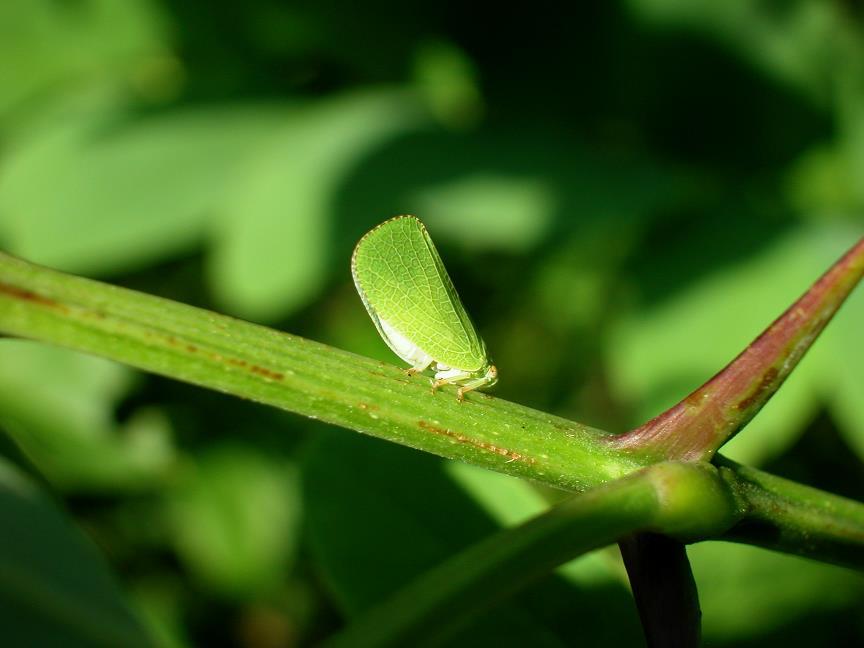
(411, 299)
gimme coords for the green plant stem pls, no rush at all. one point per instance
(301, 376)
(321, 382)
(674, 498)
(785, 516)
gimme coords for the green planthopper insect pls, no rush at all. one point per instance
(412, 301)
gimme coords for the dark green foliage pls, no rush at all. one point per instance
(625, 194)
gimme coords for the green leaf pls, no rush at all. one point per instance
(507, 500)
(821, 183)
(748, 592)
(271, 251)
(447, 80)
(55, 590)
(58, 406)
(235, 518)
(503, 212)
(157, 599)
(48, 46)
(97, 191)
(793, 42)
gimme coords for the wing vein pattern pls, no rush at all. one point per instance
(402, 280)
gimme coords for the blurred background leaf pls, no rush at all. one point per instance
(50, 49)
(236, 519)
(659, 354)
(625, 193)
(58, 406)
(92, 193)
(280, 208)
(55, 587)
(756, 595)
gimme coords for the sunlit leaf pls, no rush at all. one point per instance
(271, 254)
(490, 211)
(101, 192)
(658, 355)
(48, 47)
(58, 406)
(748, 592)
(235, 518)
(791, 41)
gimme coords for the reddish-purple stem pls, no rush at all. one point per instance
(696, 427)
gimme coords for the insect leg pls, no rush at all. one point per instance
(450, 377)
(487, 379)
(471, 385)
(420, 366)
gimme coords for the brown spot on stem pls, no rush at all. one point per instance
(765, 387)
(28, 295)
(476, 443)
(258, 370)
(266, 373)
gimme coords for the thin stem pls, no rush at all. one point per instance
(785, 516)
(687, 499)
(696, 427)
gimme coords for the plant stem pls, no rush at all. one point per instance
(785, 516)
(312, 379)
(664, 590)
(301, 376)
(696, 427)
(675, 498)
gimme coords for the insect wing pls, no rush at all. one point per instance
(403, 283)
